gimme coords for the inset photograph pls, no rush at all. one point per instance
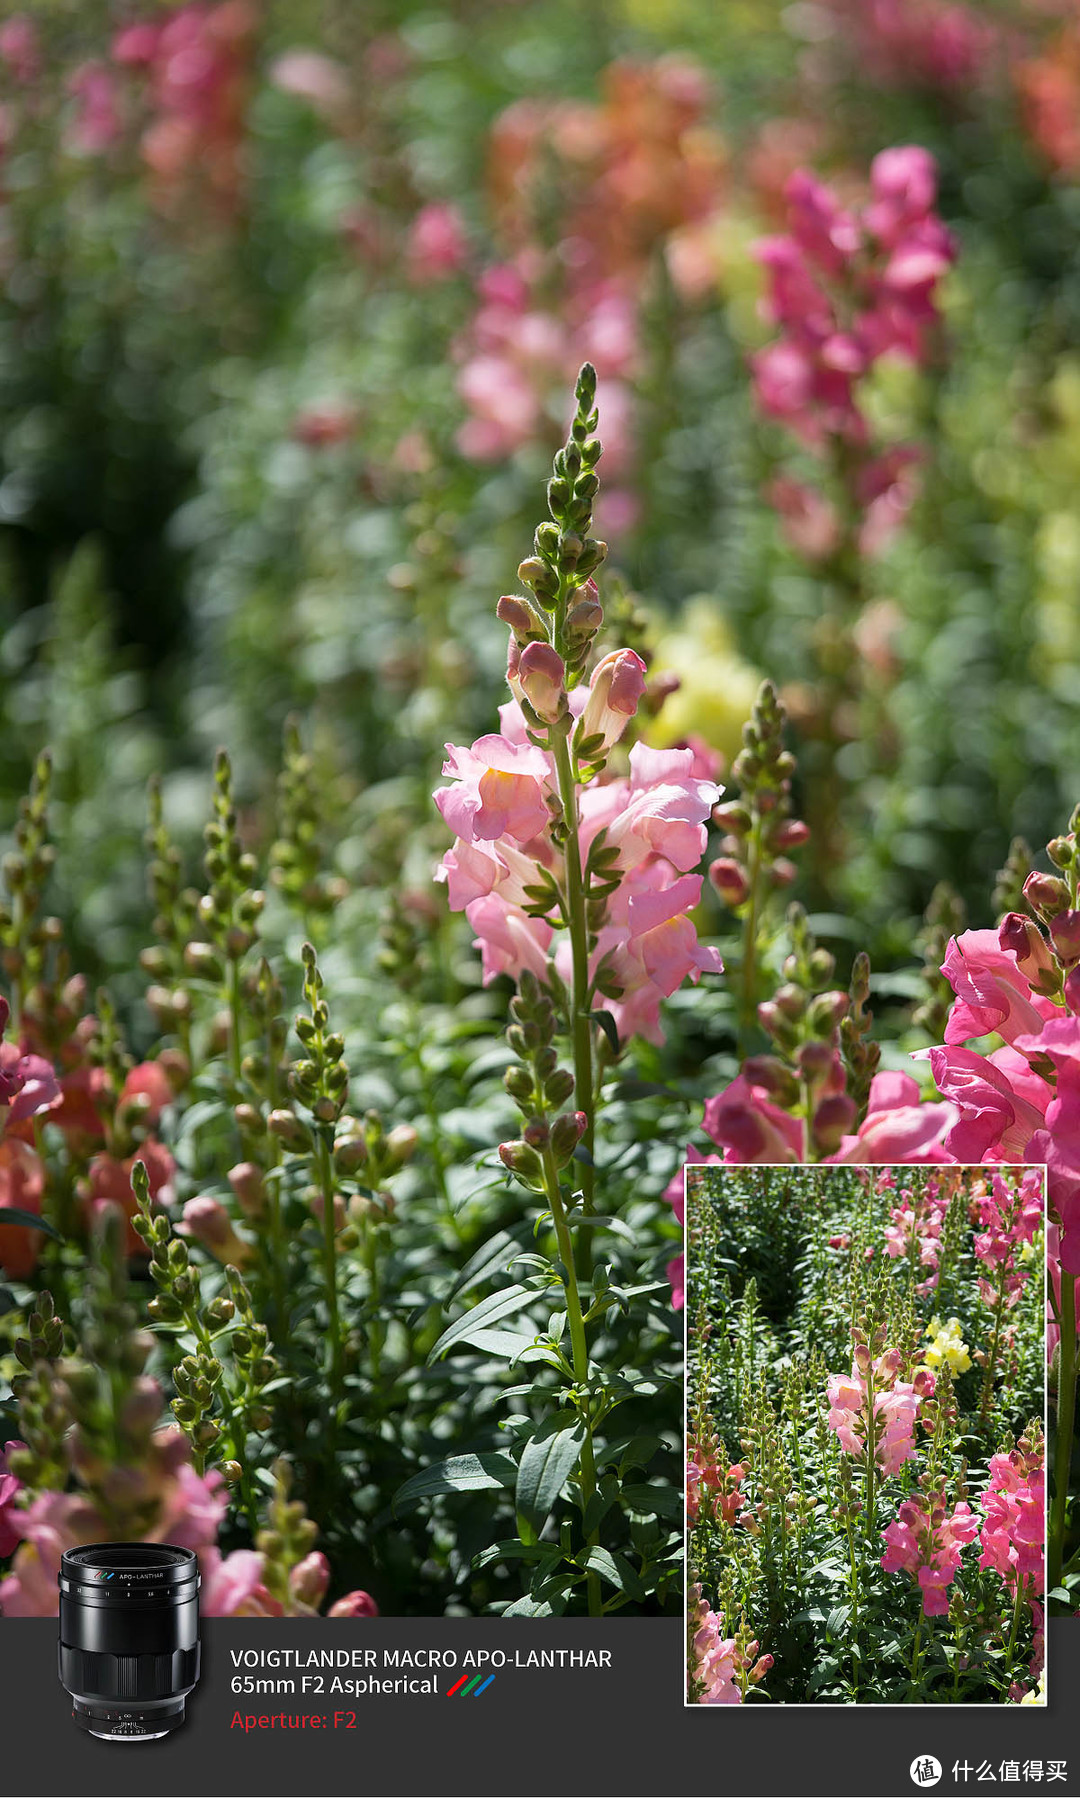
(865, 1429)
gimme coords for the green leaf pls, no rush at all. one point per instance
(458, 1473)
(513, 1550)
(29, 1221)
(508, 1345)
(1062, 1596)
(615, 1570)
(491, 1259)
(607, 1024)
(7, 1301)
(547, 1462)
(836, 1622)
(652, 1501)
(630, 1090)
(528, 1607)
(489, 1311)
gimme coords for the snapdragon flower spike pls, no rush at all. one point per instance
(721, 1667)
(760, 833)
(888, 1422)
(712, 1490)
(1012, 1537)
(926, 1540)
(846, 288)
(567, 872)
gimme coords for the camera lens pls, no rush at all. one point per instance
(129, 1637)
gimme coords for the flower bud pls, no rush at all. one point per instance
(318, 1206)
(791, 834)
(354, 1604)
(286, 1126)
(520, 1159)
(566, 1132)
(524, 620)
(309, 1579)
(142, 1407)
(1018, 936)
(246, 1181)
(585, 617)
(729, 879)
(832, 1121)
(772, 1074)
(401, 1145)
(826, 1011)
(1046, 894)
(209, 1223)
(1062, 851)
(617, 683)
(537, 676)
(1065, 935)
(732, 816)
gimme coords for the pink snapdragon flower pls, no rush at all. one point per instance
(894, 1412)
(20, 49)
(510, 941)
(944, 45)
(711, 1489)
(722, 1667)
(655, 819)
(437, 244)
(927, 1541)
(615, 690)
(10, 1487)
(846, 288)
(661, 811)
(1013, 1533)
(190, 1508)
(1009, 1213)
(915, 1228)
(501, 790)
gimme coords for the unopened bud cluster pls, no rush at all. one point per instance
(803, 1018)
(565, 556)
(25, 937)
(296, 860)
(759, 830)
(538, 1086)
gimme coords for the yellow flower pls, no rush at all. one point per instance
(717, 688)
(947, 1346)
(1037, 1695)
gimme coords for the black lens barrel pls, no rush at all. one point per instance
(129, 1636)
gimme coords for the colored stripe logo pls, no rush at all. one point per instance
(468, 1684)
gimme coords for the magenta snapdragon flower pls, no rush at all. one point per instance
(926, 1540)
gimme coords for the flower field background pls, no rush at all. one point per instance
(865, 1403)
(398, 889)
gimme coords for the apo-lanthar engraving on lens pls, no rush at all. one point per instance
(129, 1637)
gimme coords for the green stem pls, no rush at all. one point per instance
(915, 1654)
(748, 976)
(1066, 1423)
(988, 1377)
(579, 1356)
(272, 1187)
(329, 1233)
(234, 1020)
(577, 922)
(371, 1262)
(854, 1596)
